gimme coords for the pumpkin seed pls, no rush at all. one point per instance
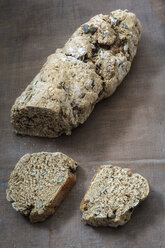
(114, 21)
(117, 22)
(88, 29)
(85, 28)
(40, 204)
(60, 179)
(44, 173)
(33, 173)
(93, 83)
(63, 85)
(104, 190)
(92, 29)
(126, 47)
(24, 98)
(35, 82)
(111, 215)
(124, 25)
(38, 184)
(13, 198)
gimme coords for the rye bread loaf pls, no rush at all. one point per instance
(39, 182)
(112, 196)
(87, 69)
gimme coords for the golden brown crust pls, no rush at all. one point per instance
(82, 204)
(55, 202)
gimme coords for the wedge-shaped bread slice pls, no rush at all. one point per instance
(112, 196)
(39, 182)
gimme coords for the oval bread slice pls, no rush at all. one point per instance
(39, 182)
(112, 196)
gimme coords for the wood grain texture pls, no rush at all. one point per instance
(127, 129)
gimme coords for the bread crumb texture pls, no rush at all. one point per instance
(112, 196)
(86, 70)
(39, 182)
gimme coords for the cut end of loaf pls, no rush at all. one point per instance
(39, 182)
(37, 121)
(112, 196)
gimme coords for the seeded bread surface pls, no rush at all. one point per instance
(39, 182)
(87, 69)
(112, 196)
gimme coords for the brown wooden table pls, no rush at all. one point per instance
(127, 129)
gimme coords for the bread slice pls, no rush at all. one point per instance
(39, 182)
(87, 69)
(112, 196)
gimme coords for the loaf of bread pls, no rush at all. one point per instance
(112, 196)
(86, 70)
(39, 182)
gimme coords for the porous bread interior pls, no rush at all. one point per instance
(112, 196)
(35, 182)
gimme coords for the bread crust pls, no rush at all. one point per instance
(56, 201)
(82, 204)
